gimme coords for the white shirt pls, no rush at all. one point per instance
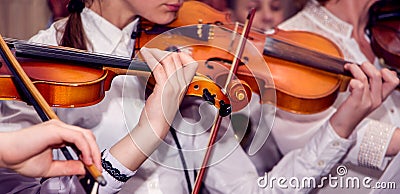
(231, 172)
(294, 131)
(107, 118)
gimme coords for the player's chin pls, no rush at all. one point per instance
(166, 18)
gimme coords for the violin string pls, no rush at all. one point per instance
(74, 55)
(37, 100)
(284, 50)
(53, 50)
(235, 31)
(218, 118)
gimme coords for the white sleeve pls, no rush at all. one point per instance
(236, 173)
(115, 174)
(12, 182)
(373, 138)
(314, 160)
(15, 115)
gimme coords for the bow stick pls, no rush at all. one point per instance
(217, 123)
(39, 103)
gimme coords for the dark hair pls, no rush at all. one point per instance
(295, 6)
(74, 35)
(231, 4)
(322, 2)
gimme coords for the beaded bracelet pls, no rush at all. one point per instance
(374, 144)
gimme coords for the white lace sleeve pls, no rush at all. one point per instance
(114, 172)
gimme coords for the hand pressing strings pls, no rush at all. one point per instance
(369, 88)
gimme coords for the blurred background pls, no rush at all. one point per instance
(22, 19)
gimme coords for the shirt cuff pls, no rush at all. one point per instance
(316, 158)
(326, 149)
(114, 172)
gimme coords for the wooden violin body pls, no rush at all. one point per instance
(43, 109)
(300, 88)
(59, 84)
(70, 78)
(384, 31)
(276, 72)
(287, 84)
(278, 77)
(191, 12)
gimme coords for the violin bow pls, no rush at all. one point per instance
(39, 103)
(217, 123)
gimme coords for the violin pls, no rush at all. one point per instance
(300, 72)
(44, 111)
(63, 83)
(191, 12)
(384, 32)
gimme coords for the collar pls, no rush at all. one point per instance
(103, 36)
(327, 20)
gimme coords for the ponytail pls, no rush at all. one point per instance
(74, 35)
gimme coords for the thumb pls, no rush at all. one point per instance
(66, 168)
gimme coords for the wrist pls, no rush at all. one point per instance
(340, 129)
(146, 138)
(152, 129)
(2, 145)
(132, 150)
(394, 145)
(4, 139)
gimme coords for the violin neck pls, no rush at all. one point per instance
(284, 50)
(75, 56)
